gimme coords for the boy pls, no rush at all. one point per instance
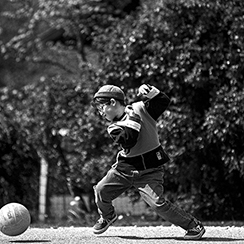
(139, 163)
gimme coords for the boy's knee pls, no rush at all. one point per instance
(100, 190)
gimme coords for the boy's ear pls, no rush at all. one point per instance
(112, 101)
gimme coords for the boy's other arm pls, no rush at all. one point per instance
(157, 105)
(156, 101)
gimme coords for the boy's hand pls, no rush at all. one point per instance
(147, 92)
(143, 90)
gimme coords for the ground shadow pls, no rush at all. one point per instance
(30, 241)
(206, 239)
(224, 239)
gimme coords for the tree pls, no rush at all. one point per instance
(19, 167)
(193, 50)
(51, 37)
(59, 29)
(51, 119)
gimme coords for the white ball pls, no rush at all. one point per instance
(14, 219)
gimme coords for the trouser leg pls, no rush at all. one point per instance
(150, 186)
(109, 188)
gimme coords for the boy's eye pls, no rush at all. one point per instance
(101, 106)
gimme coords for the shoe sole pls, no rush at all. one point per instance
(197, 237)
(97, 232)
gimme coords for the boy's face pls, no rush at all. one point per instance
(109, 110)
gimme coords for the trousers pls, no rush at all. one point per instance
(149, 183)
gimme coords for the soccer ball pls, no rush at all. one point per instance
(14, 219)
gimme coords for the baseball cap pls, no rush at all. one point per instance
(110, 91)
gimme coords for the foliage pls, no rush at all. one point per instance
(54, 115)
(52, 120)
(12, 73)
(19, 167)
(227, 131)
(192, 50)
(62, 27)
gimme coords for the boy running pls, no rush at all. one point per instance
(139, 163)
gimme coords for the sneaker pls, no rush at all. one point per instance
(195, 233)
(103, 224)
